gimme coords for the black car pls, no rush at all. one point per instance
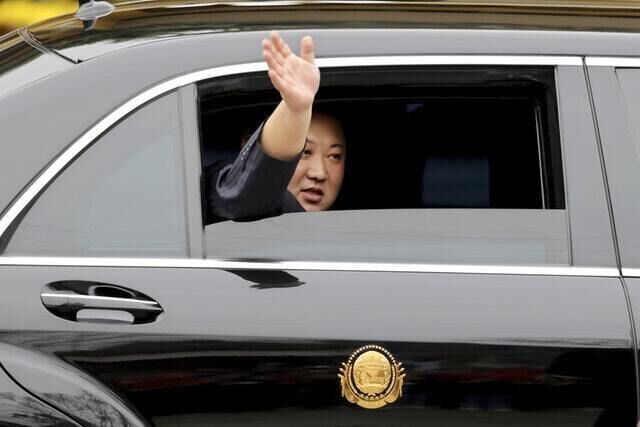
(480, 266)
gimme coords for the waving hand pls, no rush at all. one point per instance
(297, 78)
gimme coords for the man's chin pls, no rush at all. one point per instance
(311, 207)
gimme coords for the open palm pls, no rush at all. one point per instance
(297, 78)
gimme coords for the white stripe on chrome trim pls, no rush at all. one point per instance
(88, 137)
(62, 296)
(612, 61)
(310, 265)
(631, 272)
(449, 60)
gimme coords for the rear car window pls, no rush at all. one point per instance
(123, 197)
(444, 165)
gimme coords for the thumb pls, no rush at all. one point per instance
(307, 50)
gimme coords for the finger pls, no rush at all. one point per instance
(277, 55)
(275, 67)
(268, 57)
(307, 50)
(268, 46)
(276, 80)
(282, 47)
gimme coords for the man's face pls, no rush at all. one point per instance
(318, 177)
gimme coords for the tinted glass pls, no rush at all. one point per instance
(630, 83)
(123, 197)
(439, 236)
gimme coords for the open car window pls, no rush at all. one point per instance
(443, 165)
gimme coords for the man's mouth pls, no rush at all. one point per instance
(312, 195)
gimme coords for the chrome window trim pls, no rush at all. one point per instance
(41, 181)
(86, 139)
(310, 265)
(448, 60)
(612, 61)
(631, 272)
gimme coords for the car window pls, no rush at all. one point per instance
(124, 196)
(629, 79)
(443, 165)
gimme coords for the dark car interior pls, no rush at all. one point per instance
(437, 137)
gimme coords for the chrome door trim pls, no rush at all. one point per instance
(448, 60)
(53, 299)
(85, 140)
(631, 272)
(524, 270)
(612, 61)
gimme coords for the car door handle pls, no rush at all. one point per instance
(57, 299)
(80, 300)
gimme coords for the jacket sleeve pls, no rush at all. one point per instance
(254, 185)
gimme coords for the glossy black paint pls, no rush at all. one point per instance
(240, 349)
(21, 64)
(178, 379)
(19, 408)
(264, 347)
(67, 388)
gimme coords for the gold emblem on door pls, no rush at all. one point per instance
(371, 378)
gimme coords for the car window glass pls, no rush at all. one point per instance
(629, 79)
(443, 165)
(439, 236)
(123, 197)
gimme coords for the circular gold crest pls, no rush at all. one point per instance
(371, 378)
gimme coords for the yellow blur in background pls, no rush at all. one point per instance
(18, 13)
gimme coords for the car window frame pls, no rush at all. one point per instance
(566, 100)
(194, 187)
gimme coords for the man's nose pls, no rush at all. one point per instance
(317, 169)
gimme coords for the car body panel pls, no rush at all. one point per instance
(526, 346)
(21, 64)
(252, 342)
(227, 345)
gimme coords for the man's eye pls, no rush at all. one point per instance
(306, 153)
(336, 157)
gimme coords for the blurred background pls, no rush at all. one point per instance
(18, 13)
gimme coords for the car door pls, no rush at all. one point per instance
(118, 304)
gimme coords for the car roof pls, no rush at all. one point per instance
(143, 22)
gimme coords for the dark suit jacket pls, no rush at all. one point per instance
(251, 187)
